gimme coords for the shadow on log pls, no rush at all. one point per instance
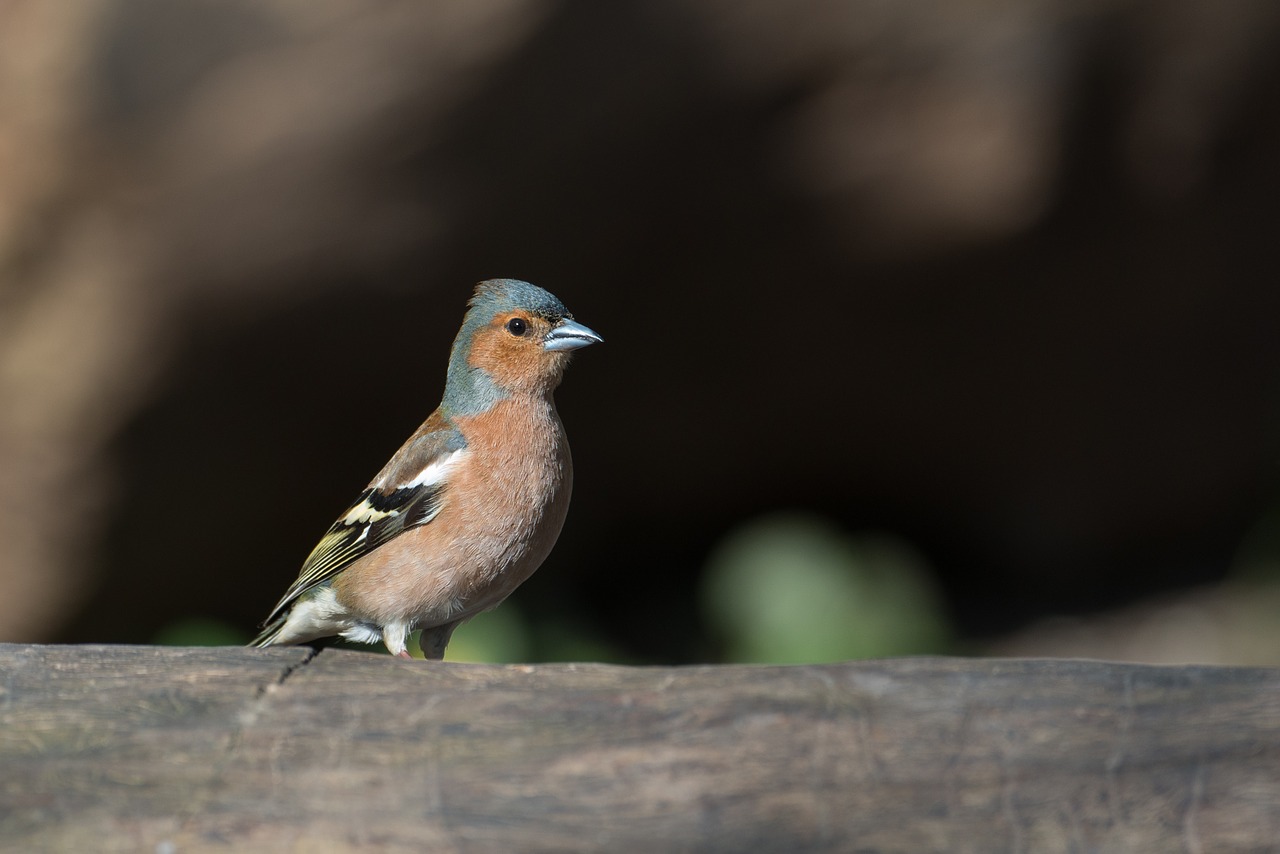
(164, 749)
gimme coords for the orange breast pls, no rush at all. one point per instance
(504, 506)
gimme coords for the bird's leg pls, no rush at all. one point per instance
(393, 636)
(433, 641)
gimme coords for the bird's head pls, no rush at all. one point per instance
(515, 339)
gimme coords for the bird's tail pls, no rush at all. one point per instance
(270, 632)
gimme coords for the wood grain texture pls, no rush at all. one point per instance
(107, 748)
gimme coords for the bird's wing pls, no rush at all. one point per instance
(407, 493)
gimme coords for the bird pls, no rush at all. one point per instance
(468, 507)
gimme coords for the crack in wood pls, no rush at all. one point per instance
(289, 670)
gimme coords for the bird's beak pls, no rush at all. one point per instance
(569, 335)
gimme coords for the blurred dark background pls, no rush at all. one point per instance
(930, 326)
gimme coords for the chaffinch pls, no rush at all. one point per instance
(468, 507)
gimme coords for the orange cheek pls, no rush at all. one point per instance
(512, 362)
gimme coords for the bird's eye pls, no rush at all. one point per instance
(517, 327)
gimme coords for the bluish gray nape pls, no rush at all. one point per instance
(469, 390)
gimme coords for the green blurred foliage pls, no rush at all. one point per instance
(201, 631)
(563, 640)
(500, 636)
(505, 636)
(792, 588)
(1257, 559)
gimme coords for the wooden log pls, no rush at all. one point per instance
(108, 748)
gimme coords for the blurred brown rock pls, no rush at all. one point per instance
(161, 159)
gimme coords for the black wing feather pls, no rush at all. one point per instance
(379, 517)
